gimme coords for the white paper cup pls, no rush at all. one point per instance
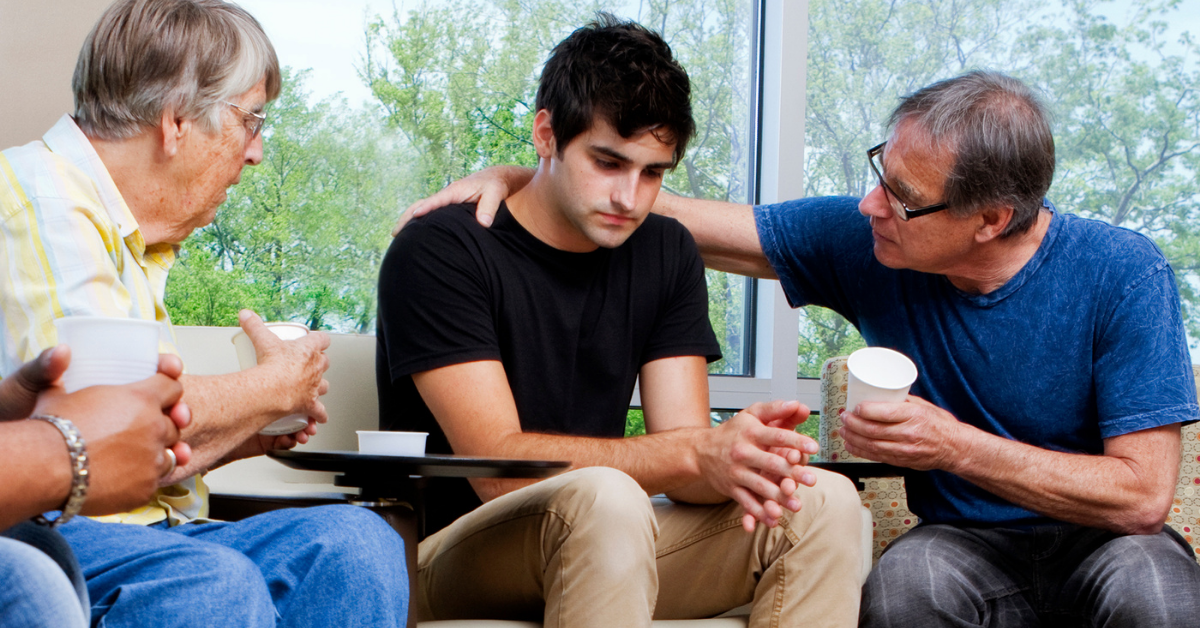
(247, 359)
(878, 374)
(108, 351)
(392, 443)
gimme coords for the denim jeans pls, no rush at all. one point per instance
(323, 566)
(1051, 575)
(40, 582)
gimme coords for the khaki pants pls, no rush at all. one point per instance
(588, 548)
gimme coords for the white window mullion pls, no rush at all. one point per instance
(781, 176)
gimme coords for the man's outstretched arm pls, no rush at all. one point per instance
(474, 406)
(724, 232)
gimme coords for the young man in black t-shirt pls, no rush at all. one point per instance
(525, 340)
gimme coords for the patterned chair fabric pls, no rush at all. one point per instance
(885, 497)
(1185, 511)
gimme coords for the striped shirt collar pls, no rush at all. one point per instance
(67, 140)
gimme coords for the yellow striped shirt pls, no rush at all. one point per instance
(69, 246)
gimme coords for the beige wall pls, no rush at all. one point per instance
(39, 42)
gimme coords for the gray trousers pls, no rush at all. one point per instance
(1052, 575)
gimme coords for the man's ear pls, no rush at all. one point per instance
(994, 220)
(543, 135)
(173, 129)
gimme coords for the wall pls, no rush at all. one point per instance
(39, 42)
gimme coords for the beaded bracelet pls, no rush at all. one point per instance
(77, 450)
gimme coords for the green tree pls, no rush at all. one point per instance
(302, 236)
(1128, 127)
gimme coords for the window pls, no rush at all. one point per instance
(439, 90)
(789, 95)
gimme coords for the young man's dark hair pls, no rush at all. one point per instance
(620, 72)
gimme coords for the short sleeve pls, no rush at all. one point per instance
(683, 327)
(433, 300)
(1143, 368)
(820, 249)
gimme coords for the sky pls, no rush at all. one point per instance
(326, 37)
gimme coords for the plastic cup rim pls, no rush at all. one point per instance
(901, 360)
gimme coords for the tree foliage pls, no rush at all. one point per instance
(302, 236)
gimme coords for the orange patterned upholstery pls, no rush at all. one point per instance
(1185, 511)
(885, 497)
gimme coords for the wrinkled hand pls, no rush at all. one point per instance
(486, 188)
(127, 430)
(296, 369)
(913, 433)
(758, 464)
(286, 441)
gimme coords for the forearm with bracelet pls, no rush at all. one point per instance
(77, 450)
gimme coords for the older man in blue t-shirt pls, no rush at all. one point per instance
(1044, 430)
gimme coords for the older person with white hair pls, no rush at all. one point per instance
(169, 100)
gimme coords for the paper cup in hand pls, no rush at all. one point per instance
(108, 351)
(247, 359)
(878, 374)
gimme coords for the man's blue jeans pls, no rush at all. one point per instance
(1052, 575)
(40, 582)
(323, 566)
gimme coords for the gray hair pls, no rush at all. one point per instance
(998, 131)
(145, 57)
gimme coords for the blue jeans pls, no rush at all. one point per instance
(1051, 575)
(322, 566)
(40, 582)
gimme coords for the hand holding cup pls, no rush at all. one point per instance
(878, 374)
(295, 358)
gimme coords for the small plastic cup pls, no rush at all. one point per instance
(108, 351)
(247, 359)
(392, 443)
(878, 374)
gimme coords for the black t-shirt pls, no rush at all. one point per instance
(571, 329)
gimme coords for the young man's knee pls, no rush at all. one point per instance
(603, 494)
(834, 496)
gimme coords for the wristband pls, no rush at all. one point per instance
(77, 450)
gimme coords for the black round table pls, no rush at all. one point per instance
(385, 481)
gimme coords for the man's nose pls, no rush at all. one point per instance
(624, 193)
(875, 204)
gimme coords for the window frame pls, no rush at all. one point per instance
(778, 171)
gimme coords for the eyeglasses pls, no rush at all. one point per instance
(252, 121)
(875, 158)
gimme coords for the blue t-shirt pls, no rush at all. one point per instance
(1085, 342)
